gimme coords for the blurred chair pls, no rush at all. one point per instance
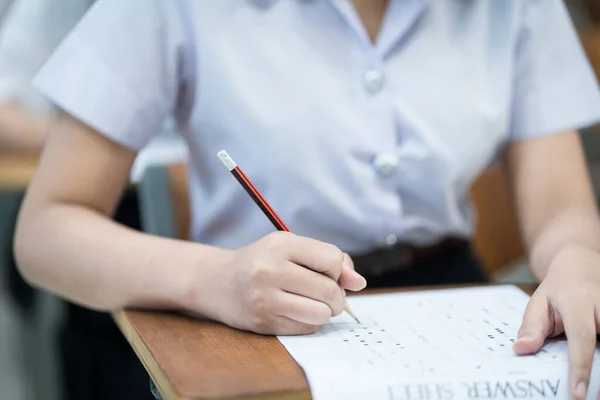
(164, 207)
(164, 201)
(593, 10)
(498, 240)
(165, 211)
(590, 40)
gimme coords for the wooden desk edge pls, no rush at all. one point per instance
(161, 381)
(166, 390)
(144, 354)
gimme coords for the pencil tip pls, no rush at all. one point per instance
(351, 313)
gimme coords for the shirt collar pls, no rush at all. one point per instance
(400, 17)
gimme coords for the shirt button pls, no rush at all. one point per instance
(373, 80)
(385, 164)
(391, 239)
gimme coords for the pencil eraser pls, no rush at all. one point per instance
(226, 160)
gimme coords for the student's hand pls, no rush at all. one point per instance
(283, 284)
(567, 301)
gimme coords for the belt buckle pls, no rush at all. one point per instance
(391, 260)
(402, 258)
(407, 257)
(377, 270)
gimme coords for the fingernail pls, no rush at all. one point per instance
(364, 281)
(581, 389)
(357, 274)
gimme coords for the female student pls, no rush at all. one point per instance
(362, 122)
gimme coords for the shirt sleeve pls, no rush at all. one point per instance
(119, 70)
(555, 87)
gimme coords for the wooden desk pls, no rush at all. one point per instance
(191, 359)
(16, 170)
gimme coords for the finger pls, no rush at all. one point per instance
(318, 256)
(301, 309)
(285, 326)
(278, 325)
(348, 262)
(349, 278)
(580, 328)
(537, 324)
(304, 282)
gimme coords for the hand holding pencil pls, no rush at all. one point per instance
(312, 270)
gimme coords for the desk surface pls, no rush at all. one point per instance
(192, 359)
(16, 170)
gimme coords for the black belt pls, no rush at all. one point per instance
(401, 256)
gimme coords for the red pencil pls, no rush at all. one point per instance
(260, 201)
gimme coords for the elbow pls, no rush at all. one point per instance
(24, 252)
(39, 253)
(30, 241)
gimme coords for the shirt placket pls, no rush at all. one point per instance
(401, 17)
(385, 209)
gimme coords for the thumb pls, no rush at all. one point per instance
(349, 278)
(536, 326)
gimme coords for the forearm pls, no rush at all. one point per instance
(571, 225)
(554, 197)
(93, 261)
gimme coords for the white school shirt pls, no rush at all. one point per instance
(357, 144)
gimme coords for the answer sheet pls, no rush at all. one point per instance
(451, 344)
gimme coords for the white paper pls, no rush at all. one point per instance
(450, 344)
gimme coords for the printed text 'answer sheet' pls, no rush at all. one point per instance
(432, 345)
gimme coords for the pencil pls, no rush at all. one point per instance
(260, 201)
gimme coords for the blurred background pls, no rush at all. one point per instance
(53, 350)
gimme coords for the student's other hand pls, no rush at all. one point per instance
(282, 284)
(567, 301)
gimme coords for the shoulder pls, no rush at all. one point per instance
(509, 14)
